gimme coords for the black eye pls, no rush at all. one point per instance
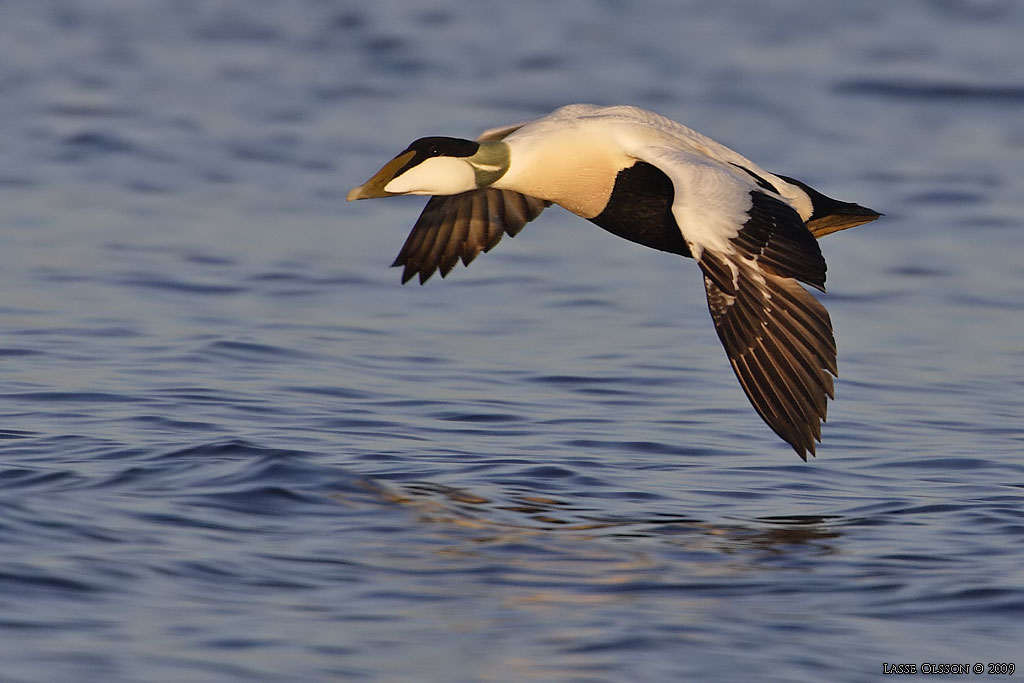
(435, 151)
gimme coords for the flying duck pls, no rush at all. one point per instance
(658, 183)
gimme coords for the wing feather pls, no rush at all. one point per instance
(443, 235)
(460, 226)
(779, 341)
(754, 250)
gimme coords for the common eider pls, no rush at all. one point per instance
(658, 183)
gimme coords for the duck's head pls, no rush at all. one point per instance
(437, 166)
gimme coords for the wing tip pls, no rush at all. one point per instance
(803, 437)
(411, 270)
(802, 449)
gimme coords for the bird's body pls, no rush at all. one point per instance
(658, 183)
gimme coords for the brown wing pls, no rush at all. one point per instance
(777, 335)
(460, 226)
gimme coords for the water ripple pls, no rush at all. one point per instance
(234, 448)
(947, 92)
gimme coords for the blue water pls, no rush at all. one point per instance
(234, 448)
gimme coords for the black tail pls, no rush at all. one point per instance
(831, 215)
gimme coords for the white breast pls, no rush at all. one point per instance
(571, 165)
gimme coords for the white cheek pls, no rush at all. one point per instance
(439, 175)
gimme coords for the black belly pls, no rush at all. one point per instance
(640, 210)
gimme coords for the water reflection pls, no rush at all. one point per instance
(531, 514)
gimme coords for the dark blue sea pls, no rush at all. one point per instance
(234, 448)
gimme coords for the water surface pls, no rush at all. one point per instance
(233, 447)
